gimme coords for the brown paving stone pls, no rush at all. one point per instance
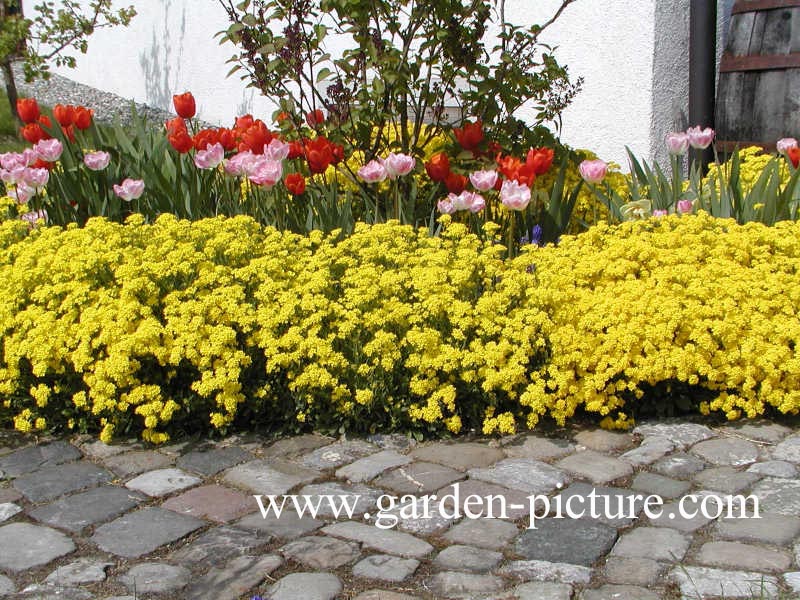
(8, 494)
(296, 446)
(136, 462)
(601, 440)
(462, 456)
(418, 477)
(213, 502)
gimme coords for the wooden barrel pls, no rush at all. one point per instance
(758, 95)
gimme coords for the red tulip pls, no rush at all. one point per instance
(181, 141)
(319, 154)
(42, 164)
(244, 122)
(184, 105)
(28, 110)
(296, 150)
(540, 160)
(204, 137)
(255, 137)
(295, 183)
(315, 117)
(65, 115)
(794, 156)
(69, 132)
(83, 117)
(227, 138)
(338, 153)
(175, 126)
(455, 183)
(33, 133)
(438, 167)
(470, 136)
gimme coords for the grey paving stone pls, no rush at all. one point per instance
(422, 518)
(140, 532)
(329, 498)
(524, 474)
(211, 462)
(484, 533)
(6, 585)
(162, 482)
(596, 467)
(780, 496)
(78, 511)
(382, 540)
(337, 454)
(309, 586)
(774, 468)
(83, 570)
(34, 458)
(780, 530)
(615, 592)
(418, 478)
(155, 577)
(743, 557)
(543, 590)
(8, 510)
(658, 485)
(234, 578)
(539, 448)
(392, 441)
(656, 543)
(288, 526)
(218, 545)
(683, 434)
(649, 451)
(573, 541)
(120, 598)
(383, 595)
(793, 581)
(694, 518)
(26, 546)
(276, 476)
(764, 431)
(496, 501)
(369, 467)
(132, 463)
(383, 567)
(101, 450)
(449, 584)
(296, 446)
(9, 494)
(604, 441)
(631, 571)
(679, 466)
(39, 591)
(321, 552)
(617, 507)
(788, 450)
(460, 456)
(733, 452)
(542, 570)
(467, 558)
(48, 483)
(725, 479)
(708, 582)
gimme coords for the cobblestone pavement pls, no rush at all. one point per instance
(80, 519)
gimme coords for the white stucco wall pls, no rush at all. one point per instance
(170, 47)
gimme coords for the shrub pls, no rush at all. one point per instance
(177, 326)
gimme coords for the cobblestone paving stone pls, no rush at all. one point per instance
(80, 519)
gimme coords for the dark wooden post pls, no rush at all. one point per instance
(702, 69)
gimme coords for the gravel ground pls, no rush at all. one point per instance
(107, 106)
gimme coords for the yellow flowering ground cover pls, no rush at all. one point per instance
(158, 329)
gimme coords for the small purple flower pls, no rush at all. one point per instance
(534, 236)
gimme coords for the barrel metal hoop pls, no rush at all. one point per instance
(756, 5)
(759, 62)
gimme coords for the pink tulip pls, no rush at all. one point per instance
(677, 143)
(397, 165)
(29, 156)
(36, 178)
(264, 171)
(211, 157)
(783, 145)
(14, 175)
(277, 150)
(445, 206)
(593, 171)
(373, 172)
(21, 193)
(478, 203)
(515, 196)
(685, 206)
(700, 139)
(12, 160)
(237, 165)
(33, 218)
(97, 161)
(660, 212)
(131, 189)
(49, 150)
(483, 180)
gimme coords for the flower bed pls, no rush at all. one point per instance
(156, 329)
